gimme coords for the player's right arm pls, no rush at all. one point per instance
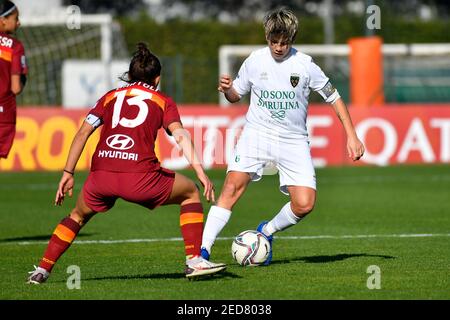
(183, 139)
(67, 182)
(226, 87)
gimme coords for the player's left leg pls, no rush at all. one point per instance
(186, 194)
(61, 239)
(298, 180)
(301, 204)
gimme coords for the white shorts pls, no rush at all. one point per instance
(260, 153)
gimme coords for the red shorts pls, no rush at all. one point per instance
(149, 189)
(7, 133)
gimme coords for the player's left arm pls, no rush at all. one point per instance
(329, 93)
(355, 147)
(16, 84)
(19, 70)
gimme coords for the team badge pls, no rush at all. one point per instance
(295, 78)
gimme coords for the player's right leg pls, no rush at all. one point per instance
(249, 158)
(234, 186)
(61, 239)
(186, 194)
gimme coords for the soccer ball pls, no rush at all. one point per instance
(250, 248)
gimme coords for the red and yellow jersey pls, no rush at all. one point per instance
(131, 117)
(12, 61)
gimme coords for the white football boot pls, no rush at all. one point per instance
(38, 276)
(198, 266)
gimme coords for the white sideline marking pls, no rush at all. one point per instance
(359, 236)
(324, 180)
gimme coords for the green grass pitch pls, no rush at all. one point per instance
(396, 218)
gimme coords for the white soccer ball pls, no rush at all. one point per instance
(250, 248)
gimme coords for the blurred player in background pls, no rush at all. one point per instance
(125, 166)
(13, 71)
(279, 79)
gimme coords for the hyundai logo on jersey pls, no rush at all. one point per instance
(120, 142)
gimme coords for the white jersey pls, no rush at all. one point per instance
(279, 91)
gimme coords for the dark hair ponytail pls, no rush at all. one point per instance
(6, 8)
(144, 66)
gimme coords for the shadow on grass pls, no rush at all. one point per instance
(39, 238)
(332, 258)
(156, 276)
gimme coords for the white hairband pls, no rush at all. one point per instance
(8, 12)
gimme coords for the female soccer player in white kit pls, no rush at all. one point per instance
(279, 79)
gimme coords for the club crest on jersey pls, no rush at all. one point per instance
(263, 76)
(295, 78)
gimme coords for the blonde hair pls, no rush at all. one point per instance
(281, 22)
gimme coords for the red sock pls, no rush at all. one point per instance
(61, 239)
(191, 223)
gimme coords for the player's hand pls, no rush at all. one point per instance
(355, 148)
(225, 83)
(208, 186)
(65, 187)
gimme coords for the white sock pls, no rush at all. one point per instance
(217, 219)
(283, 220)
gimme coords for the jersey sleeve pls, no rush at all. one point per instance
(320, 83)
(242, 83)
(95, 115)
(170, 114)
(18, 63)
(317, 79)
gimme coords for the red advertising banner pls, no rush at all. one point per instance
(392, 135)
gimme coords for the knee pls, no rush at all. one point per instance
(302, 208)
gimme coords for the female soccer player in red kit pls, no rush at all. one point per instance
(125, 166)
(13, 70)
